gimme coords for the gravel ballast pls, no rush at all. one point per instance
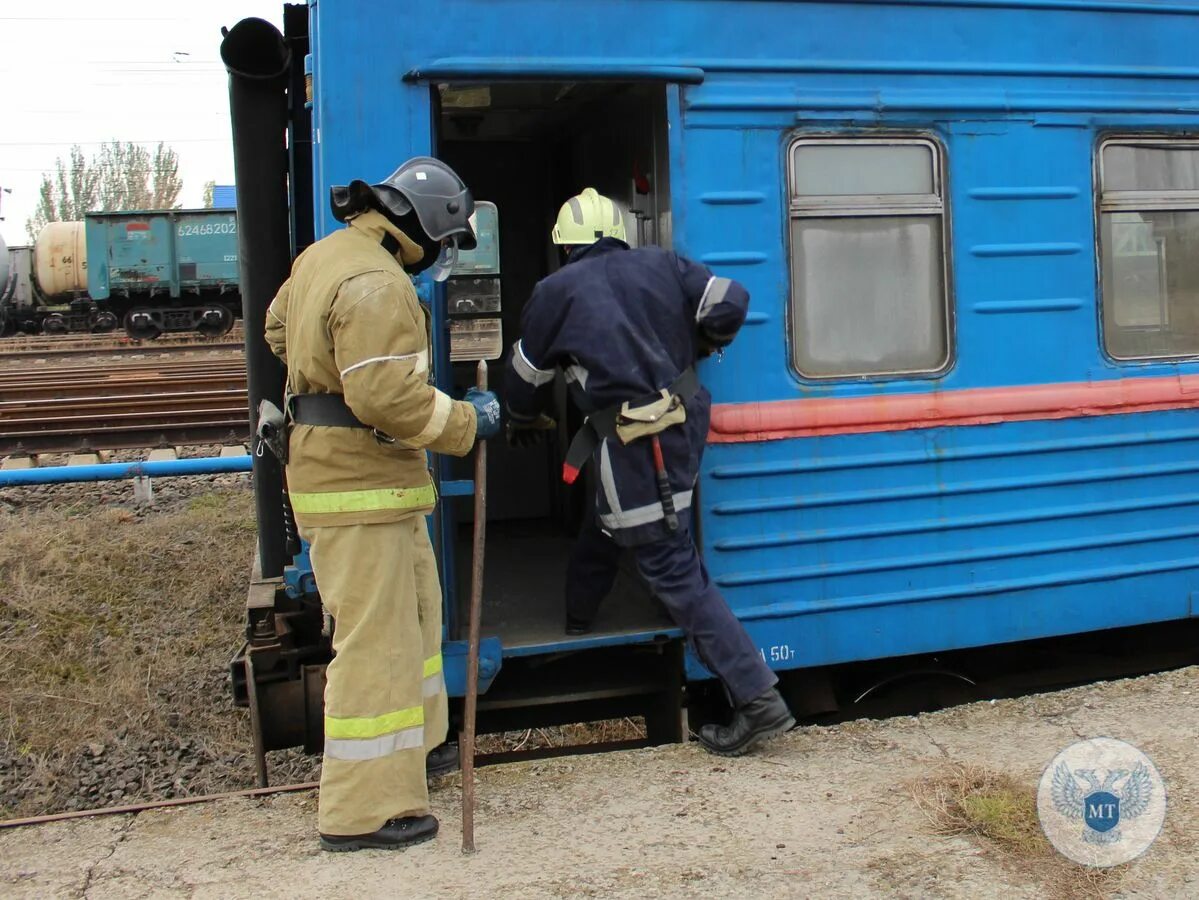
(119, 620)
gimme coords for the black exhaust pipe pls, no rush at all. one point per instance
(257, 60)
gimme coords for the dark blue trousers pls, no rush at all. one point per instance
(676, 574)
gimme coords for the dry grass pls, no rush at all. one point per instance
(114, 613)
(1002, 812)
(991, 805)
(118, 625)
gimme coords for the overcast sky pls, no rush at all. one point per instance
(82, 72)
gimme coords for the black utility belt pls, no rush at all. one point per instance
(603, 424)
(322, 409)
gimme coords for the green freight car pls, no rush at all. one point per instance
(172, 270)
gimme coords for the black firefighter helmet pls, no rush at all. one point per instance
(424, 196)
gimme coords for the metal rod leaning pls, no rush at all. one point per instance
(476, 613)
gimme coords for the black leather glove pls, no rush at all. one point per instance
(526, 434)
(706, 344)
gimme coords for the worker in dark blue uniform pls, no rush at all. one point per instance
(626, 327)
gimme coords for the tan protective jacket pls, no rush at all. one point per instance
(348, 322)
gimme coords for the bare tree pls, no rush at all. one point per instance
(122, 175)
(209, 191)
(66, 194)
(166, 185)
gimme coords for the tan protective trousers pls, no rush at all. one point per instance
(385, 700)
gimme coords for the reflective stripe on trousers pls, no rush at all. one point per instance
(434, 677)
(381, 735)
(643, 515)
(371, 738)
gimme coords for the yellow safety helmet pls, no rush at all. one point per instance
(587, 217)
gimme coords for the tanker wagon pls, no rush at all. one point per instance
(7, 282)
(17, 293)
(962, 410)
(22, 308)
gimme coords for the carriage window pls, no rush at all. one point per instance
(868, 291)
(1149, 247)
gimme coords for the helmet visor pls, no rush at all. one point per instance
(446, 260)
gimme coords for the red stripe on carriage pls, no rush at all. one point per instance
(775, 420)
(138, 226)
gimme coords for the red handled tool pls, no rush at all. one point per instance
(672, 517)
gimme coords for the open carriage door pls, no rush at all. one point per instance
(524, 141)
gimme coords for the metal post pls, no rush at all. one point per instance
(258, 60)
(256, 723)
(476, 614)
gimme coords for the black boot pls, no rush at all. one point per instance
(762, 718)
(441, 760)
(577, 626)
(395, 834)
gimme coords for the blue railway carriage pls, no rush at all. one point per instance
(961, 411)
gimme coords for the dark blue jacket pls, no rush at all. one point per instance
(622, 325)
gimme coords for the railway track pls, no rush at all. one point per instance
(166, 403)
(68, 345)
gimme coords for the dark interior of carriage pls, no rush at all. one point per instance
(527, 147)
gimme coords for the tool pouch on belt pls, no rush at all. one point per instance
(633, 419)
(652, 418)
(272, 431)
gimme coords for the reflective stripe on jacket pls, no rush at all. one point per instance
(623, 324)
(348, 322)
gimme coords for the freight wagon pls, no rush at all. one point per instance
(962, 409)
(17, 293)
(148, 271)
(165, 271)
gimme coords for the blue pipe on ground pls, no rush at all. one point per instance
(208, 465)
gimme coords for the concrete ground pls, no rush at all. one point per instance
(823, 812)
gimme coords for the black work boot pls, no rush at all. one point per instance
(577, 626)
(395, 834)
(758, 720)
(441, 760)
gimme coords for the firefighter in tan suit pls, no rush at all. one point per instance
(362, 414)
